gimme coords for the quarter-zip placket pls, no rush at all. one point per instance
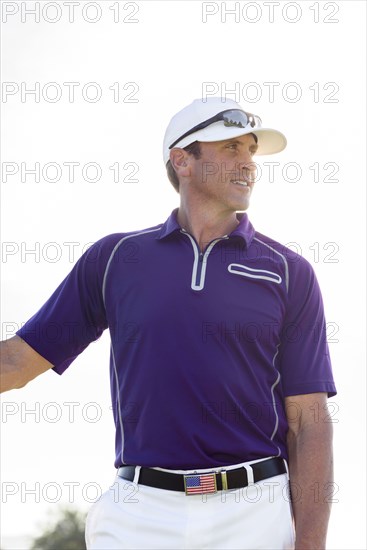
(200, 260)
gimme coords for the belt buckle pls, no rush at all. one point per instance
(200, 484)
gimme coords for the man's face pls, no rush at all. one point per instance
(225, 173)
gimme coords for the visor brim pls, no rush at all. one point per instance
(270, 141)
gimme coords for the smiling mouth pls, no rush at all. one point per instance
(240, 182)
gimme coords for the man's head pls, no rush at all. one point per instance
(218, 176)
(212, 120)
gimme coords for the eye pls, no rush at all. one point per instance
(232, 146)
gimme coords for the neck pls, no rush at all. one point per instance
(205, 225)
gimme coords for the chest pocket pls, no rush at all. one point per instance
(252, 273)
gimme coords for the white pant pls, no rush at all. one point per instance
(131, 516)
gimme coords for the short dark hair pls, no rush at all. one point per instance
(192, 149)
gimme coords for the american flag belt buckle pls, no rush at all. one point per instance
(200, 484)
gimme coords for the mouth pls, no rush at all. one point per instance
(241, 183)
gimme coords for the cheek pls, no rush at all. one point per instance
(208, 172)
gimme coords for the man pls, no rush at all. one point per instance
(218, 358)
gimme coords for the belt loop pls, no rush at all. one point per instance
(223, 475)
(136, 474)
(286, 467)
(250, 474)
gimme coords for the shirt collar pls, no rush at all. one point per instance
(244, 229)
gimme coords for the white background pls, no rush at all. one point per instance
(166, 58)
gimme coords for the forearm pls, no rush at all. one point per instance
(311, 481)
(10, 373)
(19, 364)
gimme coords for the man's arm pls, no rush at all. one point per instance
(19, 364)
(310, 467)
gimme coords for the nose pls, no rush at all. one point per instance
(246, 156)
(248, 165)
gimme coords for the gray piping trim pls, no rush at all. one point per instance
(119, 405)
(273, 400)
(112, 350)
(283, 258)
(200, 286)
(113, 253)
(256, 273)
(196, 263)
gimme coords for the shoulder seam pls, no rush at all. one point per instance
(283, 258)
(114, 252)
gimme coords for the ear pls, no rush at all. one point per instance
(179, 161)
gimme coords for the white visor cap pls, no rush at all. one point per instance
(269, 141)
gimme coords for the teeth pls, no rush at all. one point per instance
(244, 183)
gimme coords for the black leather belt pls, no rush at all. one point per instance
(222, 479)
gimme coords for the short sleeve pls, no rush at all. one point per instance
(305, 365)
(74, 315)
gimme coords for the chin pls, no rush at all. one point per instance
(242, 207)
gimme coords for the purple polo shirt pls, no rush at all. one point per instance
(204, 346)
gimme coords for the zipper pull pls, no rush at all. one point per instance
(201, 256)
